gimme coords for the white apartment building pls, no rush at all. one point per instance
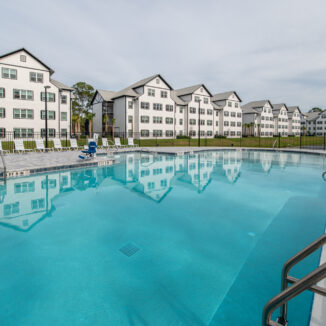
(151, 108)
(258, 118)
(309, 122)
(294, 116)
(281, 120)
(321, 124)
(229, 117)
(22, 98)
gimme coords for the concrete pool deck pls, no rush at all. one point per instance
(39, 162)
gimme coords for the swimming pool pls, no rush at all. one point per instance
(159, 240)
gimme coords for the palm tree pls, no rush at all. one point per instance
(90, 116)
(113, 123)
(105, 121)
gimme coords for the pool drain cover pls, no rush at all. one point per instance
(129, 249)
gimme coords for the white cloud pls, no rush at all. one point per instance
(262, 49)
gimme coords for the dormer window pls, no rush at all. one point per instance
(23, 58)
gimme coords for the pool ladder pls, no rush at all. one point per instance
(288, 293)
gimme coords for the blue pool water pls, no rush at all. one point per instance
(159, 240)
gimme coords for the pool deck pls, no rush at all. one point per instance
(38, 162)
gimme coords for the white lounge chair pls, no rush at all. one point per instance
(57, 144)
(117, 143)
(73, 144)
(40, 146)
(3, 151)
(131, 143)
(19, 146)
(105, 144)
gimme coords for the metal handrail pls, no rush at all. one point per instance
(291, 292)
(286, 279)
(275, 142)
(323, 175)
(4, 165)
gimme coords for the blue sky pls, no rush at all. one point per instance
(262, 49)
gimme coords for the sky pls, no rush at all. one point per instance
(262, 49)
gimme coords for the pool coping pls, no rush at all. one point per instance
(175, 151)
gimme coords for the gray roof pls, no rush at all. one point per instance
(106, 95)
(129, 91)
(60, 85)
(291, 110)
(312, 116)
(276, 108)
(256, 104)
(176, 99)
(224, 96)
(190, 90)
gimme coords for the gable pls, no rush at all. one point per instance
(202, 90)
(158, 82)
(234, 97)
(14, 58)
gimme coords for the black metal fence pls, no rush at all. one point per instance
(153, 139)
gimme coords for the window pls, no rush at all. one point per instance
(238, 133)
(9, 73)
(202, 122)
(22, 94)
(226, 133)
(197, 99)
(226, 123)
(169, 121)
(169, 108)
(239, 115)
(151, 92)
(216, 123)
(202, 133)
(209, 133)
(130, 104)
(23, 133)
(63, 99)
(180, 122)
(2, 113)
(11, 209)
(51, 115)
(180, 110)
(205, 100)
(36, 77)
(202, 111)
(209, 112)
(192, 122)
(232, 114)
(157, 107)
(63, 116)
(236, 104)
(157, 119)
(23, 58)
(157, 133)
(2, 132)
(51, 132)
(2, 92)
(192, 110)
(144, 133)
(169, 133)
(63, 132)
(51, 184)
(209, 122)
(129, 118)
(144, 119)
(232, 133)
(239, 124)
(232, 123)
(50, 96)
(226, 113)
(192, 133)
(37, 204)
(229, 104)
(23, 114)
(23, 187)
(164, 94)
(144, 105)
(157, 80)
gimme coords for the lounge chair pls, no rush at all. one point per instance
(73, 144)
(117, 143)
(131, 143)
(3, 151)
(40, 146)
(90, 152)
(19, 146)
(105, 144)
(57, 144)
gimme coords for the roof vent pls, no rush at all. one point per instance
(23, 58)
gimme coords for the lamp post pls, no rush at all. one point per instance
(199, 122)
(46, 117)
